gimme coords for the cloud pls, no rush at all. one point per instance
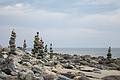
(85, 6)
(64, 29)
(98, 2)
(26, 9)
(25, 14)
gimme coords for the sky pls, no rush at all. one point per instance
(64, 23)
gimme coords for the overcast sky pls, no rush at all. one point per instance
(65, 23)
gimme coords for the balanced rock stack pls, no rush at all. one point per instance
(109, 55)
(12, 42)
(24, 45)
(38, 46)
(51, 49)
(45, 50)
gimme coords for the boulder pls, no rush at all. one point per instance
(51, 63)
(68, 66)
(5, 49)
(113, 66)
(25, 75)
(38, 77)
(81, 78)
(8, 66)
(114, 77)
(3, 76)
(28, 77)
(49, 75)
(86, 58)
(21, 75)
(84, 63)
(69, 75)
(37, 69)
(61, 77)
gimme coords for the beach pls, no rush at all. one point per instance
(56, 66)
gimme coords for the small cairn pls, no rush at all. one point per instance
(41, 46)
(45, 49)
(12, 44)
(24, 45)
(51, 51)
(109, 55)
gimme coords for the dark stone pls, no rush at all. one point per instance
(7, 71)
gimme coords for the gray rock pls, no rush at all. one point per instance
(21, 75)
(97, 71)
(61, 77)
(25, 75)
(38, 76)
(49, 77)
(28, 77)
(69, 75)
(81, 78)
(3, 76)
(8, 66)
(102, 67)
(86, 58)
(113, 66)
(36, 69)
(68, 66)
(84, 63)
(114, 77)
(50, 63)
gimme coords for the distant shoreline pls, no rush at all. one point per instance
(95, 52)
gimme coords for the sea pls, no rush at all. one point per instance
(88, 51)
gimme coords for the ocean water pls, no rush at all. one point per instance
(89, 51)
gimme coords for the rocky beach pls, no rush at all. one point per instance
(59, 40)
(41, 64)
(23, 66)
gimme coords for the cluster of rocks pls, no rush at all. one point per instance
(18, 64)
(12, 42)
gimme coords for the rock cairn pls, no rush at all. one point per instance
(51, 49)
(41, 47)
(24, 45)
(12, 44)
(45, 50)
(38, 46)
(109, 55)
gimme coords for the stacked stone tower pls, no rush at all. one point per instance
(38, 46)
(109, 55)
(12, 44)
(45, 49)
(41, 46)
(51, 49)
(24, 45)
